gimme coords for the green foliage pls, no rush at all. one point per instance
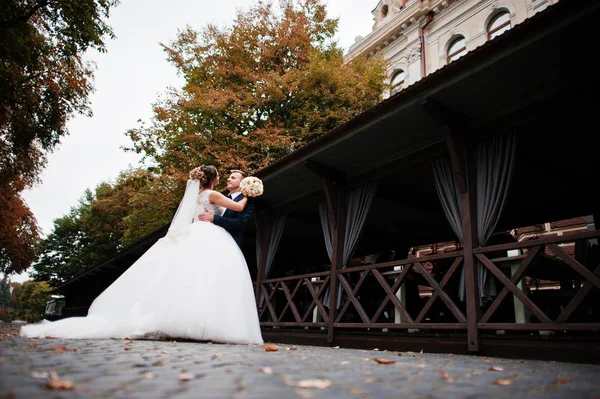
(32, 299)
(43, 82)
(4, 293)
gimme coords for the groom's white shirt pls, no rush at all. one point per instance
(233, 197)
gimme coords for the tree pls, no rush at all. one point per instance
(31, 302)
(256, 91)
(16, 289)
(4, 293)
(18, 231)
(93, 230)
(43, 82)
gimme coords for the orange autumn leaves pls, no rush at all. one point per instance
(258, 89)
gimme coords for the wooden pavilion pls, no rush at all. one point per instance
(500, 139)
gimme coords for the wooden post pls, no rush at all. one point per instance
(338, 205)
(468, 207)
(456, 129)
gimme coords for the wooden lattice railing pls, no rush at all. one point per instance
(371, 292)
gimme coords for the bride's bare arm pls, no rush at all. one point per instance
(219, 199)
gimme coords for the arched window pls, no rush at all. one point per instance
(456, 49)
(397, 82)
(384, 11)
(498, 25)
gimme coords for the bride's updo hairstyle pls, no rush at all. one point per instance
(205, 173)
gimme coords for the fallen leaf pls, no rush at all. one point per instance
(485, 359)
(126, 349)
(33, 346)
(345, 362)
(446, 376)
(49, 337)
(371, 380)
(59, 348)
(357, 392)
(148, 376)
(266, 370)
(271, 348)
(54, 382)
(421, 365)
(385, 351)
(161, 362)
(384, 361)
(503, 381)
(496, 368)
(291, 348)
(317, 383)
(304, 357)
(165, 352)
(365, 359)
(375, 349)
(561, 381)
(185, 377)
(76, 350)
(399, 354)
(421, 351)
(517, 366)
(336, 347)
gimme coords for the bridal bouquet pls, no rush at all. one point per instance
(251, 186)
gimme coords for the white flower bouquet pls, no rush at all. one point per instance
(251, 186)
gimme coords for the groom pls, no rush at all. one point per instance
(232, 221)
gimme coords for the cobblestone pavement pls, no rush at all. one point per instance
(39, 368)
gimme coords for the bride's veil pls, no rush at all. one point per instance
(185, 212)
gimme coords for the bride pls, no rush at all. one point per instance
(193, 283)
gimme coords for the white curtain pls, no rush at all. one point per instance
(494, 160)
(274, 239)
(358, 204)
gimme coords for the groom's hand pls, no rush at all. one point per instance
(207, 217)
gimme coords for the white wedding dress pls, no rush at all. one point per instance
(193, 283)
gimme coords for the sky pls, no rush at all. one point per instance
(129, 78)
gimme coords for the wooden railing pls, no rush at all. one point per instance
(372, 293)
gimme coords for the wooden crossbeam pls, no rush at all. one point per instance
(442, 294)
(577, 299)
(435, 294)
(352, 298)
(514, 289)
(316, 299)
(290, 301)
(390, 294)
(515, 278)
(268, 301)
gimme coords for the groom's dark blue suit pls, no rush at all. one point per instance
(235, 222)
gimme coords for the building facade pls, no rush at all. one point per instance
(418, 37)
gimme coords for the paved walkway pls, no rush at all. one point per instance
(57, 368)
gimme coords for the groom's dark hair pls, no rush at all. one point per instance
(239, 171)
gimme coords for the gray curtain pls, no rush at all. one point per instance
(274, 238)
(495, 163)
(494, 160)
(358, 204)
(447, 190)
